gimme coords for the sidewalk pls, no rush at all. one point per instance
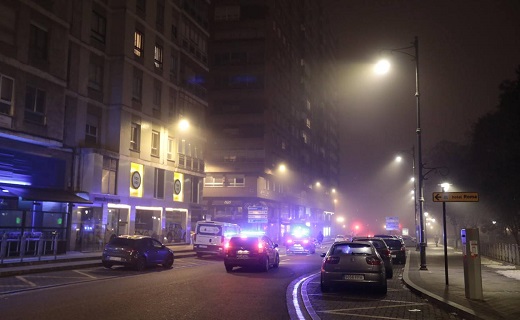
(72, 259)
(501, 294)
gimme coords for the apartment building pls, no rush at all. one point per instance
(93, 96)
(273, 158)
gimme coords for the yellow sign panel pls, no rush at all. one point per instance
(455, 197)
(136, 180)
(178, 187)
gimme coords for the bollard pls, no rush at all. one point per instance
(41, 244)
(3, 247)
(55, 246)
(22, 246)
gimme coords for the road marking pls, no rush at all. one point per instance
(32, 284)
(85, 274)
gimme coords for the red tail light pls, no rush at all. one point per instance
(332, 260)
(260, 247)
(289, 240)
(386, 253)
(373, 261)
(305, 241)
(194, 237)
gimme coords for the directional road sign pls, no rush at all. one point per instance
(455, 197)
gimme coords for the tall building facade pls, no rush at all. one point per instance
(93, 93)
(273, 156)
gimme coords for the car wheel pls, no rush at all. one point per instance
(324, 286)
(383, 289)
(107, 265)
(265, 265)
(168, 262)
(140, 265)
(277, 261)
(228, 268)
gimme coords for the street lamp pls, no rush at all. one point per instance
(381, 68)
(414, 192)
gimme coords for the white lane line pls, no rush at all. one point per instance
(85, 274)
(32, 284)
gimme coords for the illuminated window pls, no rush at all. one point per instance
(156, 143)
(158, 57)
(171, 149)
(135, 137)
(138, 43)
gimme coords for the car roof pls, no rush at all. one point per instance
(133, 237)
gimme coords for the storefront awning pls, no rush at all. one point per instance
(40, 194)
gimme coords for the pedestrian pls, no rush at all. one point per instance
(320, 238)
(436, 240)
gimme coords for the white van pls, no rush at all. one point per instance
(211, 236)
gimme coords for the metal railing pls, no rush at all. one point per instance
(30, 244)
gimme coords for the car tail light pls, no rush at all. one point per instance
(331, 260)
(305, 241)
(194, 237)
(289, 240)
(387, 253)
(373, 261)
(260, 247)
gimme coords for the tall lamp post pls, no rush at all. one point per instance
(383, 67)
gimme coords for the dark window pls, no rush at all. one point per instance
(6, 94)
(38, 43)
(109, 178)
(98, 27)
(158, 191)
(137, 85)
(95, 76)
(35, 105)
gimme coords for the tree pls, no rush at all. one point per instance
(495, 157)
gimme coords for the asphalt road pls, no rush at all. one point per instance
(200, 288)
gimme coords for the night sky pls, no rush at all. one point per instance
(466, 49)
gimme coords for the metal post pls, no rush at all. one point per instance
(419, 149)
(445, 241)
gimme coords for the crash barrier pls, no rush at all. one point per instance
(506, 252)
(28, 244)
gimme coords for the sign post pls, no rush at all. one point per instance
(451, 197)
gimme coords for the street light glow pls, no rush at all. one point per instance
(398, 159)
(184, 124)
(382, 67)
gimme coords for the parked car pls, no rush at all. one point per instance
(339, 237)
(136, 251)
(383, 251)
(353, 263)
(397, 250)
(300, 245)
(251, 251)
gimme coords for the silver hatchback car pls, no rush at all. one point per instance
(353, 263)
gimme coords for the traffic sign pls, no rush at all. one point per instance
(455, 197)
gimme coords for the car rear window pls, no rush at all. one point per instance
(393, 243)
(352, 248)
(122, 242)
(240, 241)
(209, 229)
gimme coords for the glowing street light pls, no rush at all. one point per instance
(382, 67)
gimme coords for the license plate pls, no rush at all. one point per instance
(242, 256)
(202, 246)
(394, 256)
(354, 277)
(115, 258)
